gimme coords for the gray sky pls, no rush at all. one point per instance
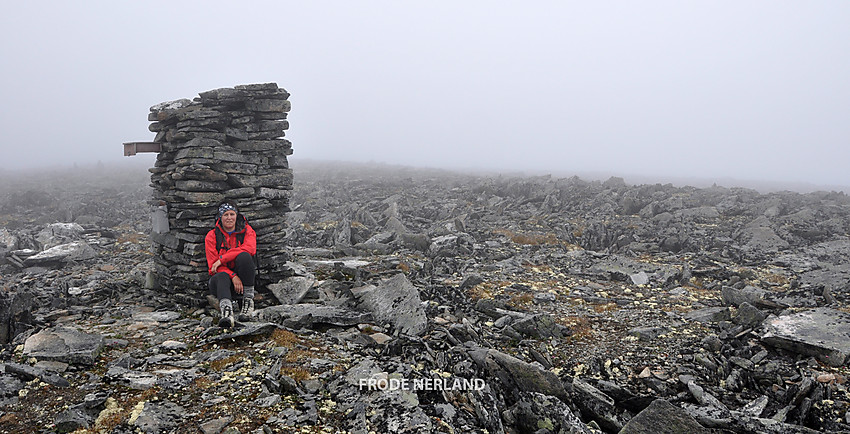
(748, 90)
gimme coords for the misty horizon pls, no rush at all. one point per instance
(138, 165)
(726, 93)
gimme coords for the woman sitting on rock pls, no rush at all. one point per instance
(230, 249)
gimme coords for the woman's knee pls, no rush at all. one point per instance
(218, 279)
(245, 258)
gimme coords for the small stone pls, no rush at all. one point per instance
(269, 401)
(173, 345)
(639, 278)
(380, 338)
(215, 426)
(826, 378)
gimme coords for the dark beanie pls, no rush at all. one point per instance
(224, 208)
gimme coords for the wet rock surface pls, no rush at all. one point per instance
(429, 301)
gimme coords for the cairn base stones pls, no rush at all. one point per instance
(225, 145)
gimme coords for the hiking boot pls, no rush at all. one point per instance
(226, 320)
(247, 309)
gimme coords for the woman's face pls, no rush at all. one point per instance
(228, 220)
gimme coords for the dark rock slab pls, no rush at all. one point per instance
(59, 233)
(596, 404)
(709, 315)
(735, 421)
(758, 297)
(163, 316)
(157, 417)
(138, 380)
(28, 373)
(72, 419)
(15, 312)
(75, 251)
(309, 314)
(620, 268)
(216, 426)
(822, 332)
(292, 289)
(539, 412)
(662, 417)
(540, 326)
(749, 315)
(396, 301)
(65, 345)
(763, 239)
(10, 385)
(514, 373)
(648, 333)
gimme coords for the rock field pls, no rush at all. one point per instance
(433, 301)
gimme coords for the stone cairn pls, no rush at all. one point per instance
(225, 145)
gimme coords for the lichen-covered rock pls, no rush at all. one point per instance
(822, 332)
(513, 373)
(396, 301)
(75, 251)
(662, 417)
(64, 344)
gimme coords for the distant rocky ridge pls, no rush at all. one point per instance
(225, 144)
(581, 306)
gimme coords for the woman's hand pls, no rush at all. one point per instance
(215, 265)
(237, 284)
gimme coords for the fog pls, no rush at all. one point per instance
(721, 91)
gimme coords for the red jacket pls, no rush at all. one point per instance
(231, 248)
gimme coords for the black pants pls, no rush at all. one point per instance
(222, 287)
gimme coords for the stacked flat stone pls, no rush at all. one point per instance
(225, 145)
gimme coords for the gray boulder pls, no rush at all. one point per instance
(8, 242)
(396, 301)
(540, 326)
(538, 411)
(763, 239)
(596, 404)
(27, 372)
(72, 419)
(749, 315)
(750, 294)
(15, 313)
(648, 333)
(709, 315)
(65, 345)
(216, 426)
(700, 214)
(157, 417)
(822, 332)
(292, 290)
(516, 374)
(59, 233)
(75, 251)
(662, 417)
